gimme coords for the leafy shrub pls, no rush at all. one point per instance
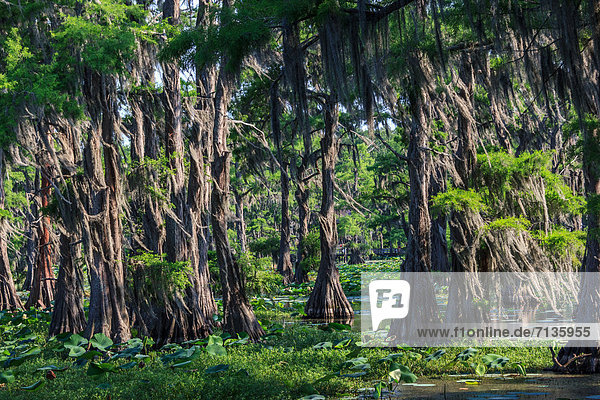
(516, 223)
(501, 173)
(561, 242)
(312, 248)
(171, 276)
(457, 200)
(265, 246)
(260, 278)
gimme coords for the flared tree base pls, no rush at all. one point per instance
(239, 317)
(328, 303)
(9, 300)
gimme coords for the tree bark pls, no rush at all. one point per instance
(104, 233)
(295, 77)
(465, 225)
(420, 165)
(356, 257)
(284, 261)
(302, 195)
(146, 209)
(327, 301)
(41, 294)
(31, 216)
(68, 314)
(240, 221)
(199, 296)
(176, 244)
(418, 249)
(180, 315)
(238, 315)
(439, 246)
(585, 95)
(9, 300)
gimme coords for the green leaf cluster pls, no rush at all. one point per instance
(457, 200)
(172, 276)
(561, 242)
(509, 223)
(102, 37)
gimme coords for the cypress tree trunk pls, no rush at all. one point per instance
(284, 261)
(420, 165)
(585, 95)
(302, 194)
(356, 257)
(104, 233)
(145, 208)
(240, 221)
(439, 246)
(173, 325)
(199, 189)
(238, 315)
(8, 294)
(41, 294)
(464, 225)
(68, 314)
(199, 296)
(26, 263)
(418, 249)
(295, 77)
(182, 315)
(176, 245)
(327, 301)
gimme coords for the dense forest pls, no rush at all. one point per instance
(162, 163)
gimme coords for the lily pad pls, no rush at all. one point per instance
(217, 368)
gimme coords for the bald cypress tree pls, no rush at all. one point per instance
(8, 294)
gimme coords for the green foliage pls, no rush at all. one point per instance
(259, 275)
(509, 223)
(213, 265)
(561, 243)
(350, 275)
(311, 246)
(243, 28)
(265, 246)
(455, 199)
(350, 225)
(171, 276)
(497, 62)
(480, 95)
(501, 174)
(105, 33)
(26, 79)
